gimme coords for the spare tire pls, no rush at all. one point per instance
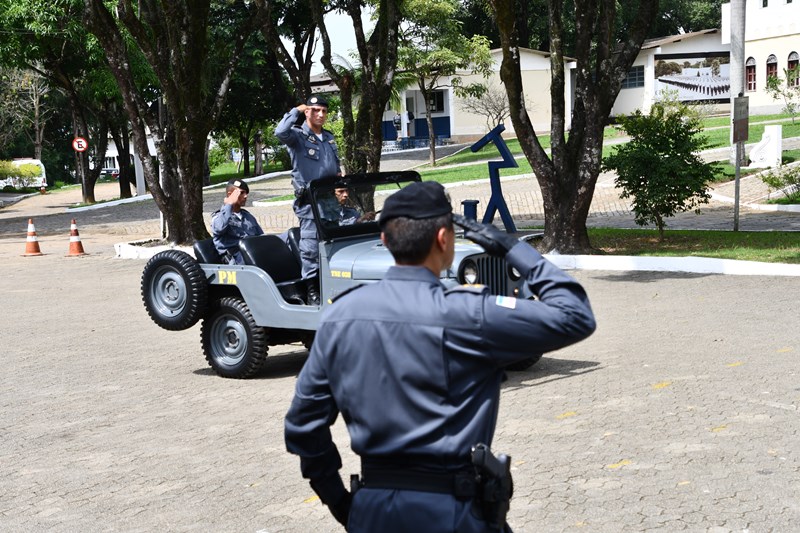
(174, 290)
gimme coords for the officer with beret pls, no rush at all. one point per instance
(232, 222)
(314, 155)
(415, 370)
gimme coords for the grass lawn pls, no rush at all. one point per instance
(769, 247)
(227, 171)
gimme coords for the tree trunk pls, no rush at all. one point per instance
(38, 128)
(258, 155)
(429, 121)
(126, 176)
(364, 134)
(174, 39)
(567, 178)
(244, 140)
(80, 129)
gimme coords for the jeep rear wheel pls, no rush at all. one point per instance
(234, 346)
(174, 290)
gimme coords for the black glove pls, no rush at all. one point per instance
(300, 193)
(332, 493)
(341, 511)
(496, 242)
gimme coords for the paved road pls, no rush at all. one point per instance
(679, 414)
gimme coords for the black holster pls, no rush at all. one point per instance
(301, 194)
(495, 485)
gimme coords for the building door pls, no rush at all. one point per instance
(411, 109)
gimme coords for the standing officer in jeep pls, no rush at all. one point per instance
(314, 155)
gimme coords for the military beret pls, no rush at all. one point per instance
(420, 199)
(239, 184)
(316, 101)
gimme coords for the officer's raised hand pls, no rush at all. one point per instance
(496, 242)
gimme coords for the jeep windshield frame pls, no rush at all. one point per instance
(340, 216)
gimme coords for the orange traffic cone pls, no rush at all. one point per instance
(75, 246)
(31, 242)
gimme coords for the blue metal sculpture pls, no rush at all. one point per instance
(496, 201)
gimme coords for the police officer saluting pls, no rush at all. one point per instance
(232, 222)
(314, 155)
(415, 371)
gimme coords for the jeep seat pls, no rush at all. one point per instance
(206, 252)
(270, 254)
(293, 236)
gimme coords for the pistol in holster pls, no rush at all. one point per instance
(495, 486)
(301, 194)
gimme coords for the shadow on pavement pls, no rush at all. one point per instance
(649, 276)
(548, 370)
(276, 366)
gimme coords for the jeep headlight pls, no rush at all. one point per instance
(468, 272)
(513, 273)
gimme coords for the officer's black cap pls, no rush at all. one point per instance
(317, 101)
(239, 184)
(421, 199)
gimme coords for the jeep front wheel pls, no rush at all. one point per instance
(174, 290)
(234, 346)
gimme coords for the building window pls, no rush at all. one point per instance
(436, 102)
(772, 66)
(793, 68)
(764, 3)
(750, 73)
(635, 78)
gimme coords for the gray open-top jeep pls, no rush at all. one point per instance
(246, 308)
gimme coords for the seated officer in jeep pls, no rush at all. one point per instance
(340, 209)
(232, 222)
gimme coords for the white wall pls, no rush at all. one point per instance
(774, 29)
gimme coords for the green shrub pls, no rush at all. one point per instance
(659, 168)
(23, 175)
(218, 156)
(786, 179)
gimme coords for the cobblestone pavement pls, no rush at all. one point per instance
(679, 414)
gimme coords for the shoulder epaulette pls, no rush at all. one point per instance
(348, 291)
(475, 289)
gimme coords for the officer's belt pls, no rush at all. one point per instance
(462, 484)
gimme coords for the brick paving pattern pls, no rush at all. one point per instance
(679, 414)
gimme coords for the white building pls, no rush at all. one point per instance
(771, 46)
(695, 67)
(450, 121)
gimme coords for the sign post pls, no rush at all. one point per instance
(740, 135)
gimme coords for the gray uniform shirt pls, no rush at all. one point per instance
(312, 157)
(415, 370)
(227, 229)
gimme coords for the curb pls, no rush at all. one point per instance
(691, 265)
(138, 250)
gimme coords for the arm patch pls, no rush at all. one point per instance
(475, 289)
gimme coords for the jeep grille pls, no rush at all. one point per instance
(492, 273)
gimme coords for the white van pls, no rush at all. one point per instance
(20, 182)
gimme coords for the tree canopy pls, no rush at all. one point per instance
(435, 51)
